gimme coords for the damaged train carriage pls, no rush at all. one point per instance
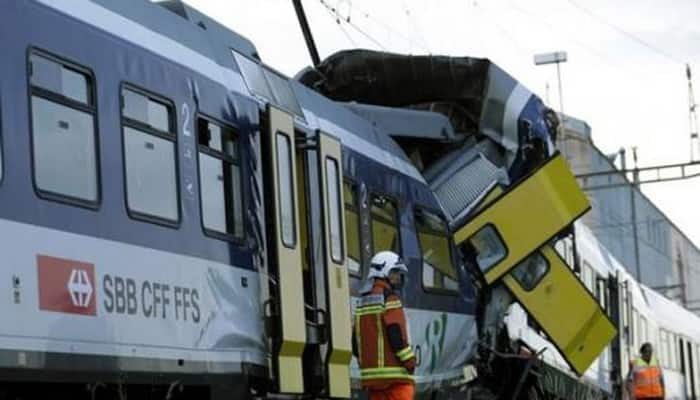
(243, 219)
(485, 145)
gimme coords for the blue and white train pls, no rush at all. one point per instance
(644, 315)
(181, 220)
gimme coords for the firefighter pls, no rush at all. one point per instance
(645, 379)
(380, 335)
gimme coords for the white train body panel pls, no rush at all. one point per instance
(650, 313)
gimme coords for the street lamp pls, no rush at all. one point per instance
(557, 57)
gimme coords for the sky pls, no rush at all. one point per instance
(625, 74)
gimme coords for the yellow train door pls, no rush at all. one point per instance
(285, 300)
(562, 306)
(542, 282)
(524, 218)
(339, 348)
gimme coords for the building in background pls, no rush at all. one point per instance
(629, 224)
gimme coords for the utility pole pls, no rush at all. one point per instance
(633, 208)
(561, 96)
(692, 115)
(557, 57)
(653, 174)
(306, 30)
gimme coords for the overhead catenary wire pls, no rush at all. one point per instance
(348, 21)
(367, 15)
(388, 27)
(554, 29)
(334, 15)
(625, 33)
(415, 24)
(347, 35)
(503, 31)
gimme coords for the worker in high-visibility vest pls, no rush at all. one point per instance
(645, 379)
(380, 335)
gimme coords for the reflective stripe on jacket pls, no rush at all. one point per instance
(379, 312)
(646, 378)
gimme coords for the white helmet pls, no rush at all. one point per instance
(383, 262)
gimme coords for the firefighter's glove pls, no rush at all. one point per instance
(410, 365)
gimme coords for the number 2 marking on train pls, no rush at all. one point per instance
(186, 123)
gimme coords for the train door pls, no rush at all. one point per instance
(625, 333)
(524, 218)
(551, 293)
(683, 367)
(307, 295)
(509, 235)
(338, 351)
(687, 367)
(692, 370)
(284, 309)
(614, 311)
(696, 369)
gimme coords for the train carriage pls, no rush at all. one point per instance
(153, 170)
(181, 219)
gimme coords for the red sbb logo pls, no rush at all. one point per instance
(66, 286)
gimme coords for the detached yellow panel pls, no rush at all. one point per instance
(561, 305)
(337, 285)
(288, 363)
(519, 221)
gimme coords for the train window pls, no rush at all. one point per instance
(253, 75)
(635, 326)
(149, 156)
(669, 350)
(286, 189)
(589, 278)
(489, 247)
(643, 331)
(601, 291)
(141, 108)
(333, 204)
(283, 92)
(385, 222)
(220, 179)
(59, 78)
(530, 272)
(64, 140)
(352, 228)
(674, 351)
(625, 315)
(560, 247)
(439, 271)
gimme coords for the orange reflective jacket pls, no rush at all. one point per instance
(384, 354)
(646, 378)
